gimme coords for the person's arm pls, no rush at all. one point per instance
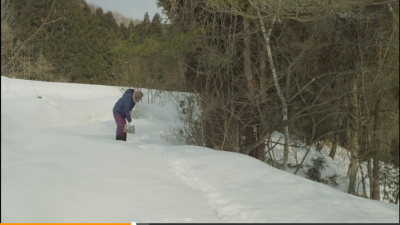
(127, 110)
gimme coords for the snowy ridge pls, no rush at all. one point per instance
(251, 199)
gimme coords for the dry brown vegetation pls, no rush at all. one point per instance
(317, 70)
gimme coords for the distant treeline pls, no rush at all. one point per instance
(68, 41)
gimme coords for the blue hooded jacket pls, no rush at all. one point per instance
(125, 104)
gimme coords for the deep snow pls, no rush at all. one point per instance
(60, 163)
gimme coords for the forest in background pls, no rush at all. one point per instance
(323, 72)
(68, 41)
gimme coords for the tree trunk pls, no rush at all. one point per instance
(353, 174)
(287, 138)
(354, 138)
(261, 148)
(247, 57)
(334, 146)
(371, 179)
(375, 169)
(364, 191)
(261, 103)
(375, 137)
(190, 111)
(280, 92)
(263, 79)
(258, 152)
(276, 82)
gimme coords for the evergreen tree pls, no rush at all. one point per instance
(156, 27)
(142, 28)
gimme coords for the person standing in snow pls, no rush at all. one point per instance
(122, 111)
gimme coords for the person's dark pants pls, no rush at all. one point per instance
(121, 135)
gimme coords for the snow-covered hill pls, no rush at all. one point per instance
(60, 163)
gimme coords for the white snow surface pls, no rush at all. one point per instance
(60, 163)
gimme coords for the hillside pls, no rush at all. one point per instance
(60, 163)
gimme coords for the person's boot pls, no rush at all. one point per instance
(118, 137)
(123, 137)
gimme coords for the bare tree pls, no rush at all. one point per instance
(307, 80)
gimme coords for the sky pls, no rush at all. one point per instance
(60, 163)
(134, 9)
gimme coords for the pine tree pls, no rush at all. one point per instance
(142, 29)
(156, 27)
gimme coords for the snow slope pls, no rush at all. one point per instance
(60, 163)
